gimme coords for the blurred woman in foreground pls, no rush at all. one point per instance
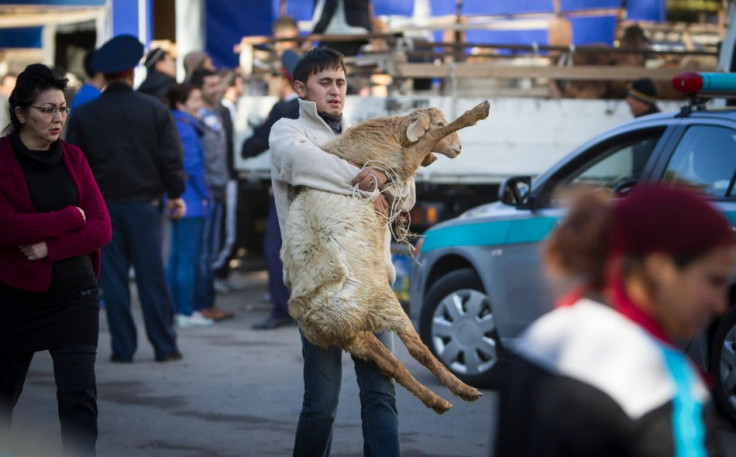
(603, 374)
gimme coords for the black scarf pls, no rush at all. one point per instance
(335, 122)
(40, 160)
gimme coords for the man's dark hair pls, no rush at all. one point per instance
(317, 60)
(198, 76)
(88, 64)
(178, 93)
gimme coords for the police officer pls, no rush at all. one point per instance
(132, 146)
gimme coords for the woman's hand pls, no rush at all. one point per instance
(35, 251)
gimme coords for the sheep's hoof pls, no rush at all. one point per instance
(471, 394)
(441, 406)
(484, 109)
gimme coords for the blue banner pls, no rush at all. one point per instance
(26, 37)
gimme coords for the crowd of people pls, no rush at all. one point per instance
(78, 214)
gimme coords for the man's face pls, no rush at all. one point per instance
(286, 32)
(636, 106)
(327, 89)
(211, 90)
(167, 65)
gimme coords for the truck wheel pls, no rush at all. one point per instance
(723, 365)
(458, 326)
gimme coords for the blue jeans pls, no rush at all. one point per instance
(271, 248)
(204, 289)
(136, 239)
(322, 379)
(186, 243)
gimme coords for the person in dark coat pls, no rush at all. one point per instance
(131, 142)
(161, 74)
(642, 100)
(53, 222)
(642, 97)
(257, 143)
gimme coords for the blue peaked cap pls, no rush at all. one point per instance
(119, 54)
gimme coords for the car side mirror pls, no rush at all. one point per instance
(516, 191)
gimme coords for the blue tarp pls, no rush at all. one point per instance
(26, 37)
(228, 21)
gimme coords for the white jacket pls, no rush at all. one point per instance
(297, 160)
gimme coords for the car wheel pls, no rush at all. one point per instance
(723, 365)
(458, 326)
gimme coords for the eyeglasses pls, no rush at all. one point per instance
(51, 111)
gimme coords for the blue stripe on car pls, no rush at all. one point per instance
(490, 233)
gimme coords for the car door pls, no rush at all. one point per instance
(613, 163)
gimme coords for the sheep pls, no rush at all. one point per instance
(334, 250)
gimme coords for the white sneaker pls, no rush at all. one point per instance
(195, 320)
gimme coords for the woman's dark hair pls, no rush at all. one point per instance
(178, 93)
(601, 237)
(35, 79)
(317, 60)
(579, 246)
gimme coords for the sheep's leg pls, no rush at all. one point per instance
(466, 119)
(366, 346)
(421, 353)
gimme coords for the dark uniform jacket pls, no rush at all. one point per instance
(131, 144)
(157, 84)
(587, 381)
(258, 141)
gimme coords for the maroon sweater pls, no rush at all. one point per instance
(65, 231)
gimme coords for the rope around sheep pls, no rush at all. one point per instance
(397, 224)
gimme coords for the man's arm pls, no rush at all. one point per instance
(297, 161)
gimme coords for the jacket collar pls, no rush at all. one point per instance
(117, 87)
(308, 108)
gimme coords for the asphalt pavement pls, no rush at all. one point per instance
(236, 393)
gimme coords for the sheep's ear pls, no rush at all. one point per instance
(428, 159)
(417, 128)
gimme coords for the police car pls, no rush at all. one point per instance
(480, 282)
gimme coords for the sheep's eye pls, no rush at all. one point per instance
(440, 124)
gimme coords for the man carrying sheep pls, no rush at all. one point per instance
(297, 160)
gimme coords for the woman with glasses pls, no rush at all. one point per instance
(53, 222)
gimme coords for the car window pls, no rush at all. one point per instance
(619, 164)
(705, 158)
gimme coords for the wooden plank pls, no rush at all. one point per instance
(491, 70)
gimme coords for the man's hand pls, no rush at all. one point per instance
(176, 208)
(36, 251)
(370, 179)
(381, 205)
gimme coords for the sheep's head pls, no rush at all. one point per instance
(426, 119)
